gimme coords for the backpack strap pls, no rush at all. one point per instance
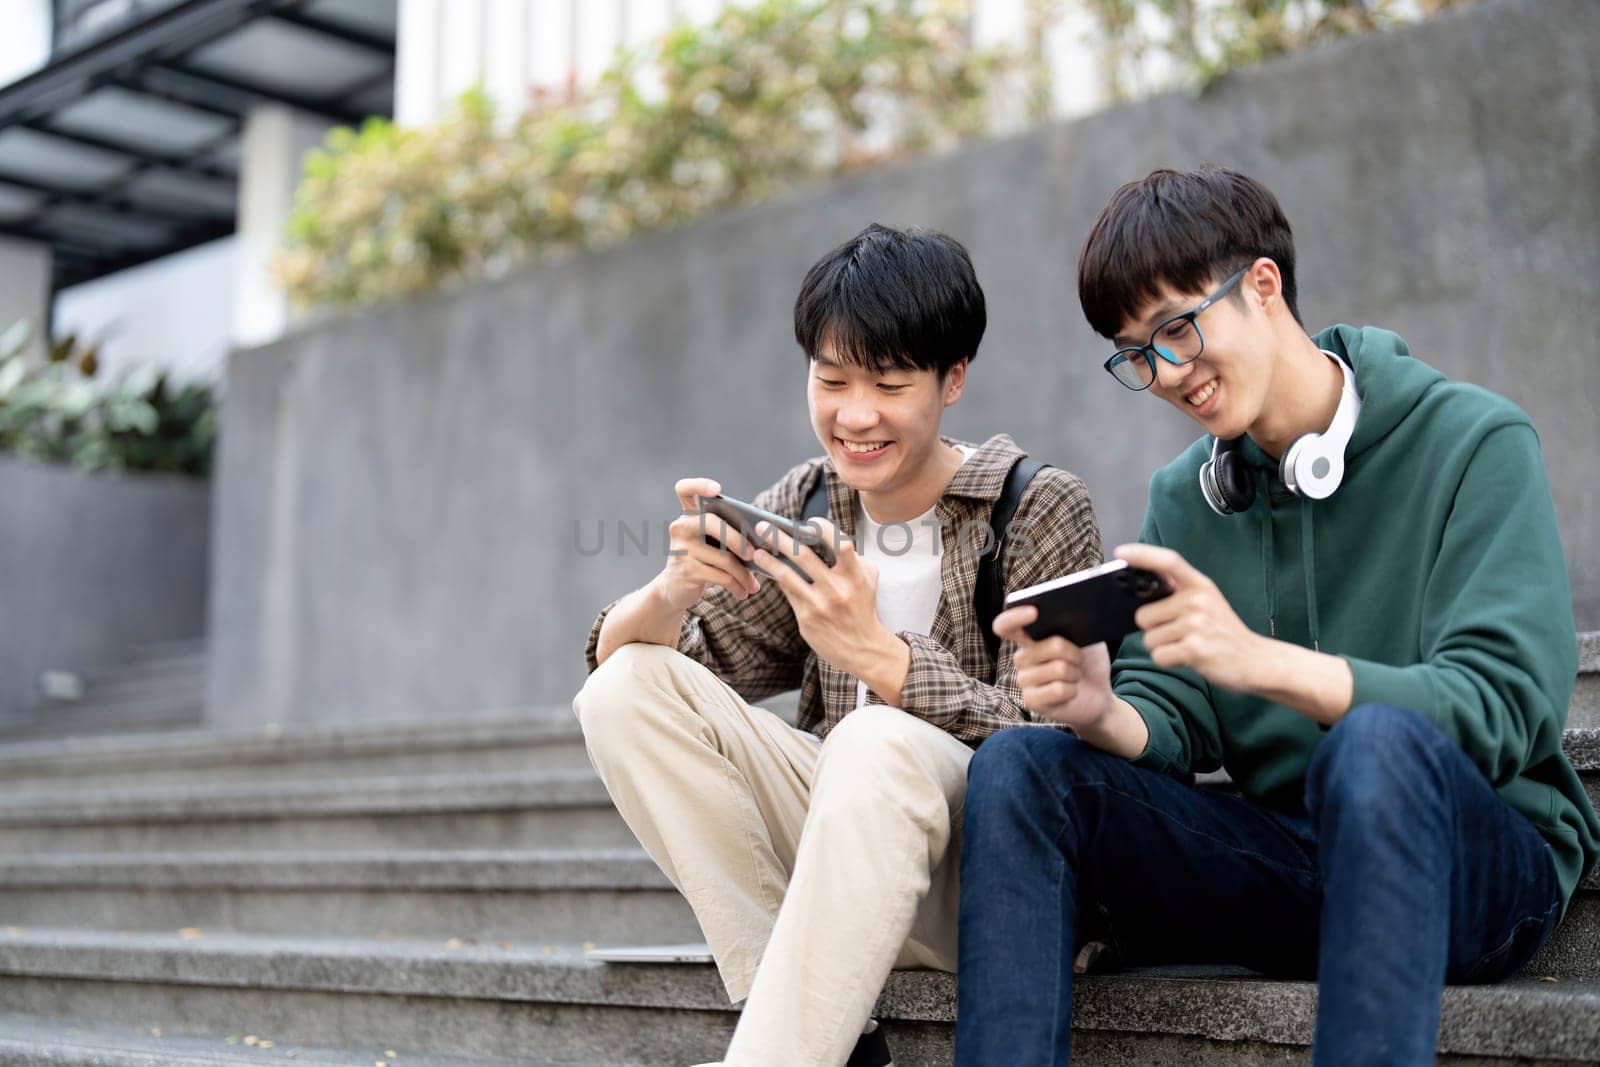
(989, 592)
(817, 500)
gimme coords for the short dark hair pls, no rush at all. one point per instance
(1186, 229)
(892, 299)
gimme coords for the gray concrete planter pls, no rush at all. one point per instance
(92, 567)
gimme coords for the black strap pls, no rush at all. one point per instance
(817, 500)
(989, 591)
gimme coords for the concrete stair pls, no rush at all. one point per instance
(161, 687)
(427, 889)
(584, 895)
(533, 739)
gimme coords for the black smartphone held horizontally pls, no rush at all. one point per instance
(745, 516)
(1091, 606)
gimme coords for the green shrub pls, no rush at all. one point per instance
(58, 411)
(765, 97)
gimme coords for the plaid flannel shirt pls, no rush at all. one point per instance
(755, 645)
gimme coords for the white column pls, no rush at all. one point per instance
(506, 74)
(276, 139)
(550, 56)
(418, 62)
(599, 33)
(25, 288)
(462, 40)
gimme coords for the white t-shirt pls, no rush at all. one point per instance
(909, 556)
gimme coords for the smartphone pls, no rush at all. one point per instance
(1091, 606)
(745, 516)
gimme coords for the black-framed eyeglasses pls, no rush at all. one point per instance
(1177, 340)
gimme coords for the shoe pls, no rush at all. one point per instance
(872, 1050)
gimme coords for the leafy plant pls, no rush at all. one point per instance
(763, 98)
(58, 411)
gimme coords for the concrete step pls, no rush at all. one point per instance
(187, 687)
(1574, 950)
(1582, 746)
(189, 655)
(29, 1041)
(94, 719)
(596, 895)
(566, 895)
(532, 739)
(158, 667)
(451, 811)
(1584, 709)
(552, 1004)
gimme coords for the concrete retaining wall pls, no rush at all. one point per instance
(398, 489)
(92, 566)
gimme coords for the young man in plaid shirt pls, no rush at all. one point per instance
(818, 857)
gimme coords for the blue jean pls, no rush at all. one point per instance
(1404, 870)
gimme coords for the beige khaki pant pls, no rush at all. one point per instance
(813, 868)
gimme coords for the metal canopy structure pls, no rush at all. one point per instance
(126, 148)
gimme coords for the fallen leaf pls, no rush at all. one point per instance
(588, 946)
(155, 1031)
(1548, 978)
(505, 944)
(379, 1063)
(453, 944)
(252, 1040)
(263, 1044)
(232, 1039)
(190, 933)
(546, 949)
(14, 931)
(391, 1053)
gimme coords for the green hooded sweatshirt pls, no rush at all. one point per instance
(1435, 570)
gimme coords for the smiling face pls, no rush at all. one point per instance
(1224, 389)
(882, 429)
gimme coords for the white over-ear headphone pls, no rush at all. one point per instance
(1314, 465)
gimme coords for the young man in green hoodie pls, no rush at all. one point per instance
(1370, 628)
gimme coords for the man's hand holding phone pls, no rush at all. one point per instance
(1059, 681)
(1195, 627)
(836, 607)
(693, 566)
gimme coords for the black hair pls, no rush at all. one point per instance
(1187, 229)
(892, 299)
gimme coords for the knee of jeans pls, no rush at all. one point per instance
(1372, 753)
(608, 706)
(1011, 762)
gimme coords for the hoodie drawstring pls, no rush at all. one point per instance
(1308, 561)
(1264, 492)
